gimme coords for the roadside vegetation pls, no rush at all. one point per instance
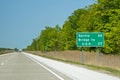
(103, 16)
(7, 50)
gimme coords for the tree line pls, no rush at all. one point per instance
(6, 50)
(103, 16)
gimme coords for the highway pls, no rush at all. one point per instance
(25, 66)
(17, 66)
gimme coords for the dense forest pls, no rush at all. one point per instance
(103, 16)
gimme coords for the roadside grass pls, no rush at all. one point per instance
(1, 53)
(115, 71)
(5, 52)
(107, 70)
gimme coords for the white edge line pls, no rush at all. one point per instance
(46, 68)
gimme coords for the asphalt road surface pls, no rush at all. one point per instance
(24, 66)
(17, 66)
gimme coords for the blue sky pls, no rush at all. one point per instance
(22, 20)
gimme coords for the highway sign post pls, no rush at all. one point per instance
(89, 39)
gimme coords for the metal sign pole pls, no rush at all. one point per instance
(97, 54)
(82, 57)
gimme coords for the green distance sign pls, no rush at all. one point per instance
(90, 39)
